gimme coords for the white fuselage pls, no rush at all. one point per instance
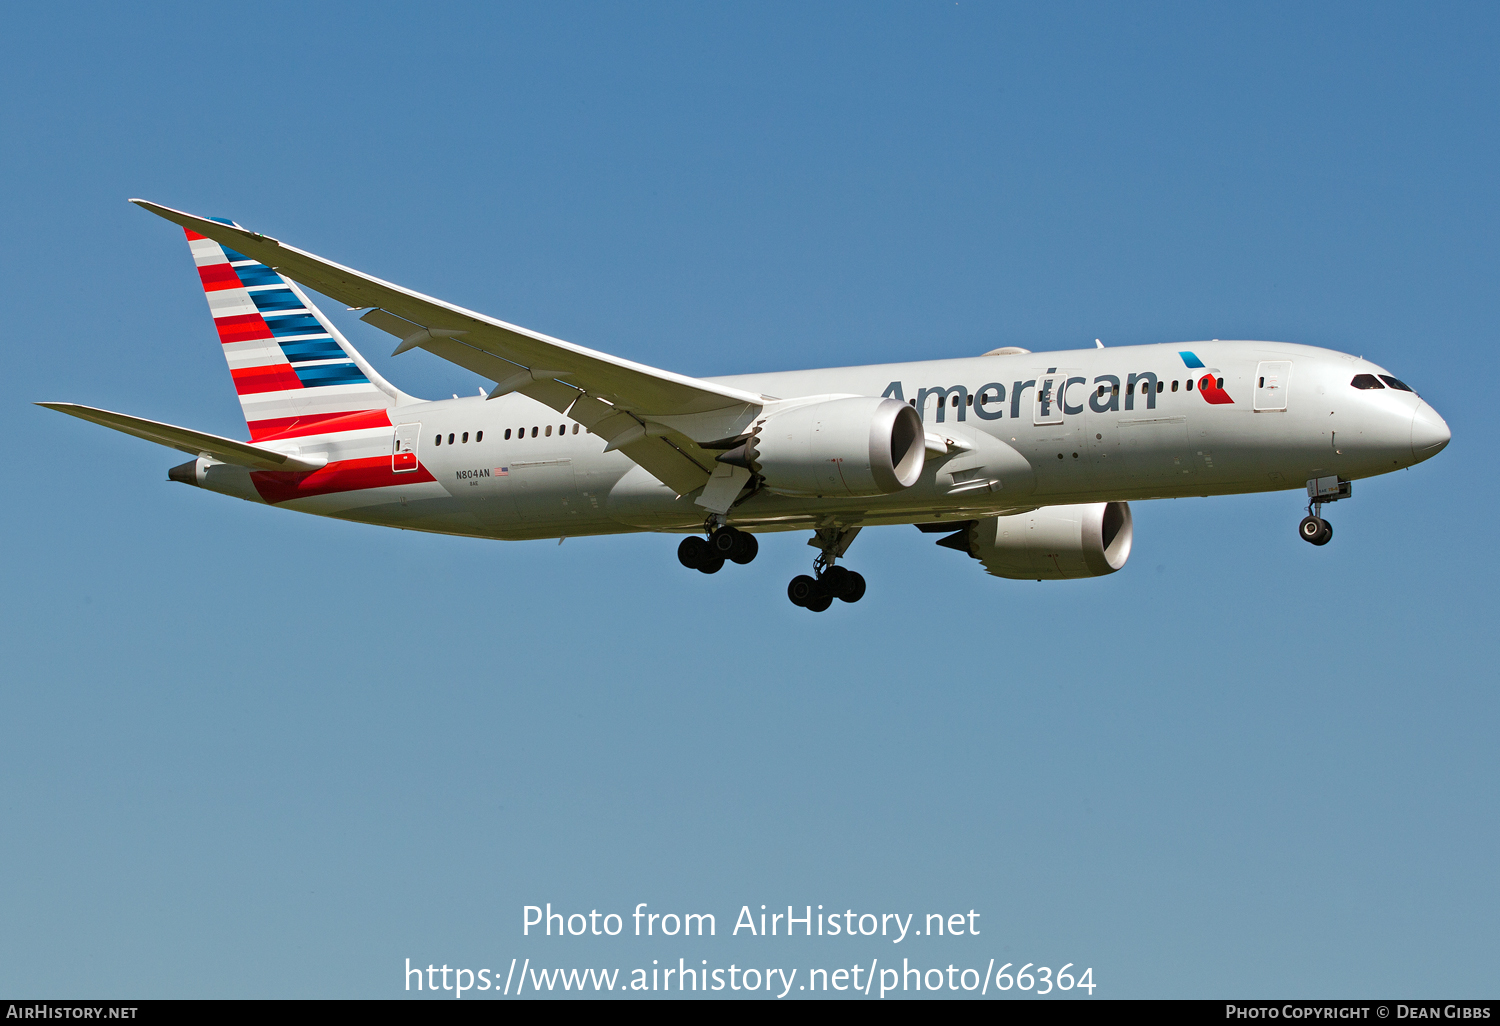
(1089, 436)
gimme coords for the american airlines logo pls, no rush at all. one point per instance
(1061, 394)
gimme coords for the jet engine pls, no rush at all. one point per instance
(837, 448)
(1055, 542)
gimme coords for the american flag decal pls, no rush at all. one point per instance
(502, 471)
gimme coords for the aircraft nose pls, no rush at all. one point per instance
(1429, 433)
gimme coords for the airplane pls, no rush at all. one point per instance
(1024, 461)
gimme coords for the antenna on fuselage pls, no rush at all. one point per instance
(1098, 344)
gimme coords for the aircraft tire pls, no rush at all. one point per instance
(745, 547)
(1311, 529)
(802, 590)
(835, 580)
(711, 565)
(852, 587)
(1326, 536)
(843, 583)
(692, 552)
(820, 603)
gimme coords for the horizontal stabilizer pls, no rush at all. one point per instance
(198, 443)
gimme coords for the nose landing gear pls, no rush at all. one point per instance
(830, 582)
(1314, 529)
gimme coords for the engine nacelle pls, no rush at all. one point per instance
(1055, 543)
(841, 447)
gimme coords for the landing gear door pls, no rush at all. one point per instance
(1271, 380)
(404, 453)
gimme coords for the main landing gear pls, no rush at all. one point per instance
(818, 593)
(1314, 529)
(830, 582)
(725, 543)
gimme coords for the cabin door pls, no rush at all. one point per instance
(404, 451)
(1271, 380)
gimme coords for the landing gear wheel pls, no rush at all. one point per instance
(722, 541)
(822, 602)
(731, 543)
(803, 590)
(844, 584)
(745, 547)
(1315, 530)
(711, 565)
(693, 552)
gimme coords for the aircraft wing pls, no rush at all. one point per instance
(198, 443)
(616, 399)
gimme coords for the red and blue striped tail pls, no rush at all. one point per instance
(294, 372)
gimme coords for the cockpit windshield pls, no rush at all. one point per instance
(1366, 381)
(1397, 383)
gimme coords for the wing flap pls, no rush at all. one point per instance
(197, 443)
(667, 463)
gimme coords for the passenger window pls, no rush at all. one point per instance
(450, 438)
(1219, 384)
(549, 430)
(1189, 384)
(507, 434)
(575, 429)
(954, 402)
(1161, 386)
(479, 436)
(466, 437)
(1366, 381)
(1114, 389)
(533, 432)
(1261, 383)
(1101, 393)
(969, 401)
(562, 429)
(1397, 384)
(1145, 387)
(1174, 386)
(438, 440)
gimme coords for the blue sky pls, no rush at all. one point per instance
(252, 753)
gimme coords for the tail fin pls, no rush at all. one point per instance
(294, 372)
